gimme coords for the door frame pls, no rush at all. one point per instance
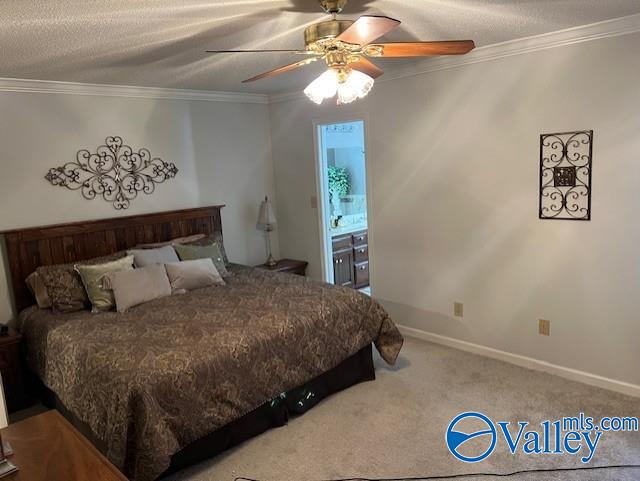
(326, 260)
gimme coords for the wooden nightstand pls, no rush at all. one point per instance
(47, 448)
(287, 265)
(12, 372)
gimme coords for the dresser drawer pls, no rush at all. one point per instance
(361, 274)
(360, 238)
(361, 253)
(341, 242)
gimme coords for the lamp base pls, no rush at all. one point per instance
(271, 262)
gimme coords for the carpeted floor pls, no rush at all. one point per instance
(394, 427)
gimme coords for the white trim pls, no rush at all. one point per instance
(570, 36)
(524, 361)
(322, 205)
(285, 96)
(370, 206)
(103, 90)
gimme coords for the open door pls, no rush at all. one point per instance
(342, 201)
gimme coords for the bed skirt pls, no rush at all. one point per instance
(274, 413)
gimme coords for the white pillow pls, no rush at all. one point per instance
(149, 257)
(137, 286)
(193, 274)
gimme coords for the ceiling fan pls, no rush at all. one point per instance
(346, 46)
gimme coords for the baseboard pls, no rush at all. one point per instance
(524, 361)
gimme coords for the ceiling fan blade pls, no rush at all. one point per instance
(367, 28)
(256, 51)
(368, 67)
(280, 70)
(421, 49)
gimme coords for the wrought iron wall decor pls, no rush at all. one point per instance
(565, 175)
(114, 171)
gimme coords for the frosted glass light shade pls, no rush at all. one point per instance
(356, 86)
(327, 85)
(324, 87)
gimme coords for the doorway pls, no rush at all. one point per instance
(342, 196)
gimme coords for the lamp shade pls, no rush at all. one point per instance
(266, 217)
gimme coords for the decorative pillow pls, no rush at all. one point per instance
(39, 290)
(193, 274)
(64, 285)
(211, 251)
(215, 238)
(178, 240)
(95, 282)
(137, 286)
(149, 257)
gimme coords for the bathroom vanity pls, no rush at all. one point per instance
(351, 258)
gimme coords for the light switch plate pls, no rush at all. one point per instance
(458, 309)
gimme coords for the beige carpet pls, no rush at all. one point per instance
(394, 427)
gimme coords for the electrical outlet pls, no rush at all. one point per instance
(314, 202)
(457, 309)
(544, 327)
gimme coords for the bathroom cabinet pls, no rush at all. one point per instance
(351, 259)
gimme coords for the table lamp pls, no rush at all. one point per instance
(266, 223)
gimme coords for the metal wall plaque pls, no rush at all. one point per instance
(114, 171)
(565, 175)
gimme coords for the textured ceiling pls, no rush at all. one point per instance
(161, 43)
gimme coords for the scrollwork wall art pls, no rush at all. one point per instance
(114, 172)
(565, 175)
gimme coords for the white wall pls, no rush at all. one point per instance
(453, 159)
(222, 151)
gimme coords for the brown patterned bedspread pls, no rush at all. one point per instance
(162, 375)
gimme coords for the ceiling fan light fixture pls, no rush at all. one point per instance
(348, 84)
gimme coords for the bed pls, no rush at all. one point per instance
(183, 377)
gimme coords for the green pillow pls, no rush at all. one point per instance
(96, 283)
(211, 251)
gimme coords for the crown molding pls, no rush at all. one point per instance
(104, 90)
(520, 46)
(560, 38)
(285, 96)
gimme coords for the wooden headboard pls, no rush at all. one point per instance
(60, 244)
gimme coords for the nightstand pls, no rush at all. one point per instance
(287, 265)
(12, 372)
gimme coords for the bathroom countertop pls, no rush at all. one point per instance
(347, 229)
